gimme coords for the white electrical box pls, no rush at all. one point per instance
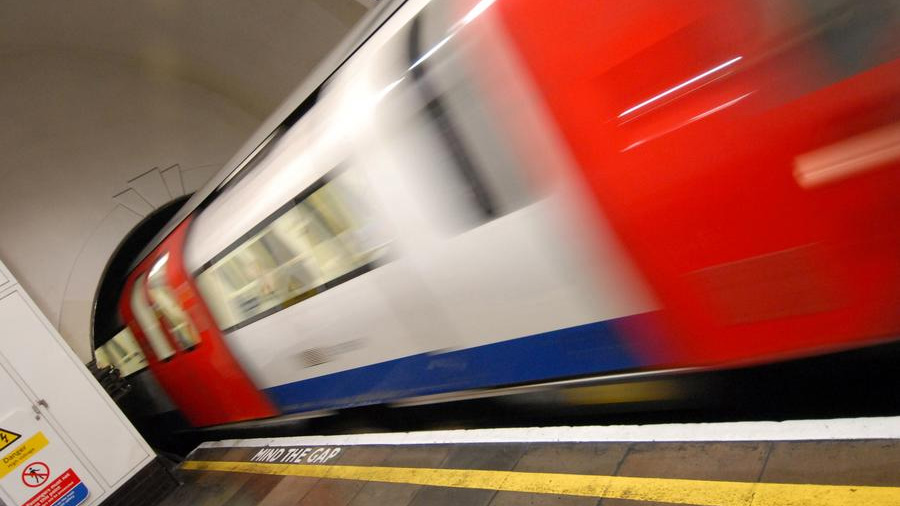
(63, 441)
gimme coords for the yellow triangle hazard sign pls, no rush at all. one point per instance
(7, 438)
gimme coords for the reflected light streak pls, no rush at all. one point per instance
(720, 107)
(158, 265)
(689, 121)
(431, 51)
(680, 86)
(470, 16)
(476, 11)
(387, 89)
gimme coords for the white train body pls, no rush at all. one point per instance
(449, 279)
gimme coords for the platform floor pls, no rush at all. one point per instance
(571, 468)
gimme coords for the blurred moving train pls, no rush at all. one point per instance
(489, 193)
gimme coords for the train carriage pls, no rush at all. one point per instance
(504, 192)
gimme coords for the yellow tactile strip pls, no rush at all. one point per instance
(666, 490)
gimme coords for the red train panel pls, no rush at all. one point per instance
(694, 123)
(202, 377)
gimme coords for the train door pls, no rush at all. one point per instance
(488, 249)
(184, 347)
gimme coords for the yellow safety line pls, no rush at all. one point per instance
(676, 491)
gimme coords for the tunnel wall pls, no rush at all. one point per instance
(90, 146)
(111, 110)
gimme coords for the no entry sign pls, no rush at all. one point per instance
(35, 474)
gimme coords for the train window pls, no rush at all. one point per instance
(846, 36)
(855, 35)
(122, 352)
(167, 308)
(146, 319)
(327, 236)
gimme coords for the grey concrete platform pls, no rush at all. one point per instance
(464, 468)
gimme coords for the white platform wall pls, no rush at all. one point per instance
(54, 413)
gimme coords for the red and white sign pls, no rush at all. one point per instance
(66, 490)
(35, 474)
(39, 469)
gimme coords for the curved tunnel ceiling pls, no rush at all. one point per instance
(251, 52)
(96, 95)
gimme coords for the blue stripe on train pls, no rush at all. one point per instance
(585, 349)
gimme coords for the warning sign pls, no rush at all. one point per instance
(24, 452)
(39, 469)
(35, 474)
(7, 437)
(67, 490)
